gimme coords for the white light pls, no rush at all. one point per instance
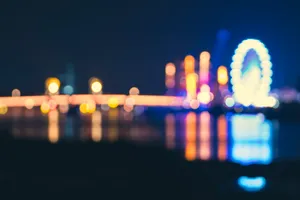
(53, 88)
(229, 102)
(96, 87)
(241, 94)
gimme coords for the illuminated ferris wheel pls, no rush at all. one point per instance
(251, 80)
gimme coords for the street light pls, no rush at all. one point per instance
(95, 86)
(52, 85)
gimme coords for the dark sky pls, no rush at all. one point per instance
(128, 43)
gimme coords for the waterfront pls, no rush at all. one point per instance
(241, 138)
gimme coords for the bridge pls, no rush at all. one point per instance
(77, 99)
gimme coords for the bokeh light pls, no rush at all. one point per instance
(3, 109)
(113, 102)
(245, 91)
(134, 91)
(222, 75)
(170, 69)
(16, 93)
(229, 102)
(96, 85)
(52, 85)
(68, 89)
(45, 108)
(29, 104)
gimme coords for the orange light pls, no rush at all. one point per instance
(222, 138)
(53, 127)
(189, 64)
(205, 151)
(190, 149)
(222, 75)
(170, 69)
(96, 126)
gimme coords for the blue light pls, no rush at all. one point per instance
(251, 140)
(252, 184)
(68, 90)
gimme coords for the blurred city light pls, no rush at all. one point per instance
(251, 140)
(68, 89)
(45, 108)
(170, 131)
(191, 128)
(229, 101)
(53, 126)
(170, 69)
(134, 91)
(16, 93)
(3, 109)
(29, 104)
(222, 138)
(245, 89)
(113, 102)
(204, 66)
(205, 136)
(222, 75)
(95, 85)
(96, 126)
(52, 86)
(251, 184)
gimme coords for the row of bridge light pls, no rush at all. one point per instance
(52, 87)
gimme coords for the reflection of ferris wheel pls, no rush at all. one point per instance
(244, 91)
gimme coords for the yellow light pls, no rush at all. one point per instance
(3, 109)
(170, 69)
(45, 108)
(83, 108)
(134, 91)
(222, 75)
(53, 85)
(91, 106)
(113, 102)
(16, 93)
(191, 85)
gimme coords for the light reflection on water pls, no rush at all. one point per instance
(244, 139)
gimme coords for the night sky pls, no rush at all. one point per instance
(128, 43)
